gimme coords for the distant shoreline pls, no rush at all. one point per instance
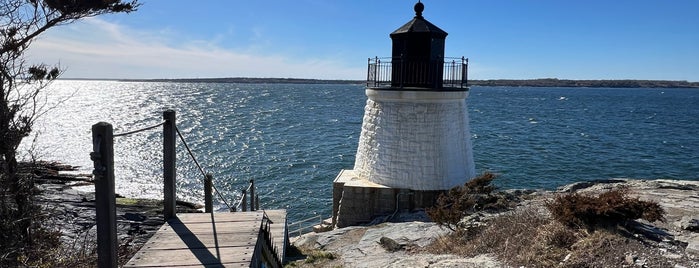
(553, 82)
(544, 82)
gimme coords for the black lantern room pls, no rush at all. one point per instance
(418, 53)
(417, 60)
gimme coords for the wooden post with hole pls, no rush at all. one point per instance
(257, 202)
(208, 200)
(105, 199)
(252, 195)
(244, 202)
(169, 158)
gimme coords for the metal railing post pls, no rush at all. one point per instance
(368, 71)
(402, 70)
(169, 158)
(377, 65)
(208, 200)
(105, 198)
(464, 77)
(252, 195)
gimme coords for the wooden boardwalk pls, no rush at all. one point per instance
(236, 239)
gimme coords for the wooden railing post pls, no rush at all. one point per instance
(208, 201)
(257, 202)
(244, 202)
(252, 195)
(105, 199)
(169, 158)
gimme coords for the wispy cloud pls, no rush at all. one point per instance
(96, 48)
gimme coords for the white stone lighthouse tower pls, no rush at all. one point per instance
(415, 139)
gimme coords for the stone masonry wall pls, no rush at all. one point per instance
(415, 142)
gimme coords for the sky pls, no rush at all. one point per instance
(332, 39)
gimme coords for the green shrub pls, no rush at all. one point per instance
(610, 208)
(319, 255)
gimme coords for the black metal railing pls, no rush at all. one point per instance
(400, 73)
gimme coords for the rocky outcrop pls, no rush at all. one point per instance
(399, 244)
(393, 244)
(387, 245)
(70, 206)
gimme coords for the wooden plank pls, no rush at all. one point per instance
(217, 265)
(189, 240)
(209, 241)
(208, 228)
(223, 227)
(183, 257)
(223, 217)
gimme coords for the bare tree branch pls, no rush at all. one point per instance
(22, 86)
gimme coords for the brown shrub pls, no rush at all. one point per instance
(610, 208)
(481, 184)
(475, 195)
(530, 237)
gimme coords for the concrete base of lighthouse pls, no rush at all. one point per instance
(357, 201)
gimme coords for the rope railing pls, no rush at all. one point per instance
(105, 203)
(241, 199)
(254, 199)
(264, 196)
(139, 130)
(189, 151)
(203, 173)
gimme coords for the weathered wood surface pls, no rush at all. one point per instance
(279, 231)
(198, 240)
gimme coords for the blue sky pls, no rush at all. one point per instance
(330, 39)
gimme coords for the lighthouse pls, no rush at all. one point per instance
(415, 139)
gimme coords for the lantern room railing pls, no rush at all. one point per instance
(398, 73)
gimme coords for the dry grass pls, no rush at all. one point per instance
(521, 237)
(48, 251)
(531, 237)
(609, 248)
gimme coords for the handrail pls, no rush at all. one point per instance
(139, 130)
(200, 168)
(204, 174)
(105, 203)
(397, 72)
(243, 197)
(301, 228)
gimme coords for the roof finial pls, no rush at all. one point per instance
(419, 7)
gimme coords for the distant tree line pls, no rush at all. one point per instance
(553, 82)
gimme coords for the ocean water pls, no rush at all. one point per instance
(294, 139)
